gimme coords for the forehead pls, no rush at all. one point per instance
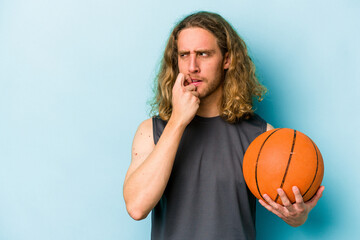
(196, 38)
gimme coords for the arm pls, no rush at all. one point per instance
(151, 165)
(293, 214)
(150, 168)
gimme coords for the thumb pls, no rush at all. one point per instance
(313, 201)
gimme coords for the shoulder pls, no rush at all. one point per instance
(143, 140)
(144, 132)
(151, 128)
(256, 121)
(252, 124)
(269, 127)
(146, 125)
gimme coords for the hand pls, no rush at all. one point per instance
(293, 214)
(185, 101)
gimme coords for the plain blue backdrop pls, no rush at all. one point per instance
(75, 77)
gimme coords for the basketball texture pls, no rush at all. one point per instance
(283, 158)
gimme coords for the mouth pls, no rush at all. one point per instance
(196, 82)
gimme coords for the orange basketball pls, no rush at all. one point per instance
(283, 158)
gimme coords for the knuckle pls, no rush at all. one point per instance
(301, 211)
(292, 214)
(180, 75)
(276, 207)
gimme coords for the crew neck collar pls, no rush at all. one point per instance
(206, 119)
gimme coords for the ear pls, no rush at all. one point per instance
(227, 61)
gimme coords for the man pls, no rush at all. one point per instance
(187, 162)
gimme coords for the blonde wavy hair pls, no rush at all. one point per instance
(240, 84)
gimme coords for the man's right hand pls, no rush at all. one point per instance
(185, 100)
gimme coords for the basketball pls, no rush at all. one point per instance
(283, 158)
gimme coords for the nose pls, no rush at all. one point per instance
(193, 64)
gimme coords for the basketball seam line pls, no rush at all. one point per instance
(317, 166)
(287, 167)
(257, 160)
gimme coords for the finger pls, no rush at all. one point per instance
(313, 201)
(269, 208)
(320, 191)
(298, 197)
(285, 200)
(195, 93)
(190, 87)
(271, 202)
(318, 194)
(180, 80)
(188, 80)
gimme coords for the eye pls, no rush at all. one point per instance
(203, 54)
(182, 55)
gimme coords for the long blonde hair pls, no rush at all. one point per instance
(240, 83)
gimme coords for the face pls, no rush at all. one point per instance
(200, 57)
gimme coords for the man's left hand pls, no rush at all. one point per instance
(293, 214)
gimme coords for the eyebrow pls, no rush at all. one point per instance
(210, 51)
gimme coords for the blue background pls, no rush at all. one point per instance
(75, 77)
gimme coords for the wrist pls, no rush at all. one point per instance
(176, 123)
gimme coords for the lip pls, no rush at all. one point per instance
(195, 81)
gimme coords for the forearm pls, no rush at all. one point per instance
(145, 186)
